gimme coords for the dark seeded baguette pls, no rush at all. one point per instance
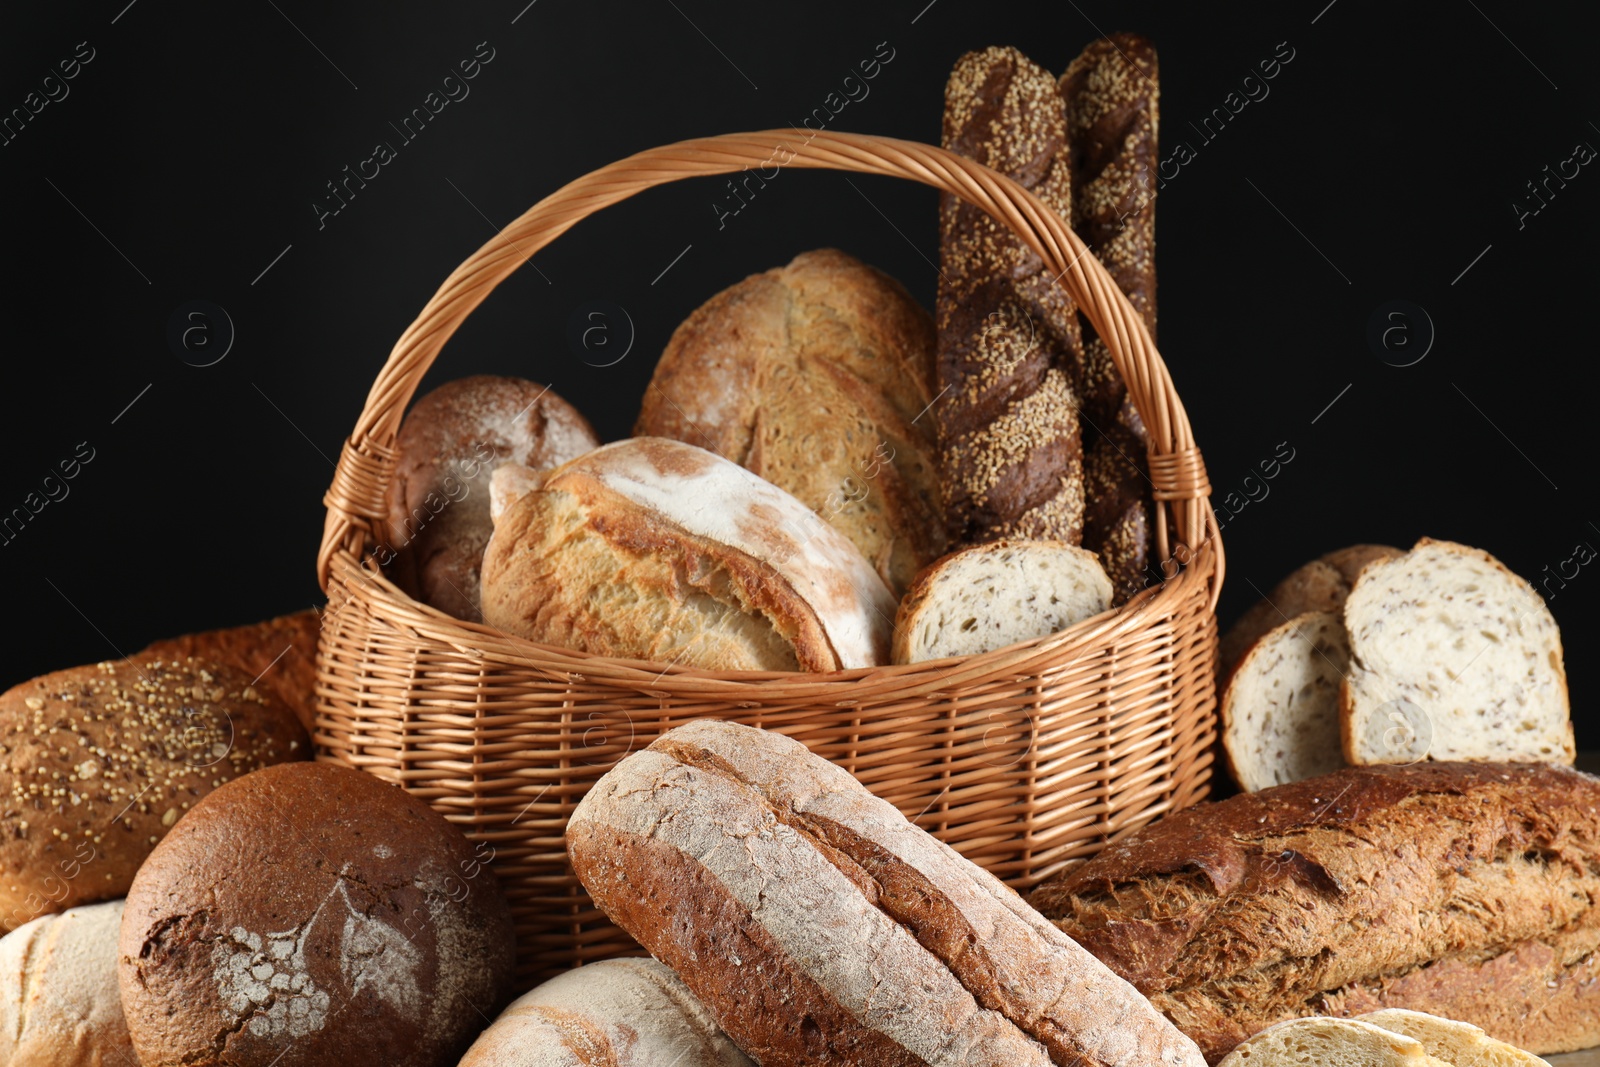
(1010, 346)
(1113, 115)
(820, 926)
(1459, 889)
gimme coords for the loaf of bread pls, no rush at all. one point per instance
(817, 376)
(278, 655)
(654, 549)
(1280, 711)
(1113, 117)
(1457, 1043)
(1010, 347)
(1446, 641)
(818, 925)
(311, 914)
(1328, 1042)
(98, 762)
(1465, 890)
(615, 1013)
(59, 1005)
(449, 444)
(1321, 585)
(993, 595)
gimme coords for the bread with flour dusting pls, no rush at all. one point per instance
(654, 549)
(820, 926)
(59, 1005)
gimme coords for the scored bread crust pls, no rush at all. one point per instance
(1263, 907)
(1440, 680)
(1329, 1042)
(650, 548)
(59, 1003)
(946, 941)
(982, 598)
(1321, 585)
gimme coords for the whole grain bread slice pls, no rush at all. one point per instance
(1280, 712)
(1321, 585)
(1454, 650)
(1329, 1042)
(1457, 1043)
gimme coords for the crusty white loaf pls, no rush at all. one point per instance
(820, 926)
(997, 594)
(59, 1005)
(615, 1013)
(655, 549)
(1328, 1042)
(1458, 1043)
(1448, 645)
(1280, 712)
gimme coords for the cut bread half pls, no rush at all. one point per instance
(994, 595)
(1320, 585)
(1326, 1042)
(1457, 1043)
(1452, 657)
(1280, 713)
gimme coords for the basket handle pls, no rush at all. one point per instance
(355, 500)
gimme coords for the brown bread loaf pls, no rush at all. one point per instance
(1113, 116)
(97, 763)
(59, 1005)
(1460, 889)
(279, 654)
(820, 926)
(449, 445)
(1010, 348)
(311, 914)
(817, 376)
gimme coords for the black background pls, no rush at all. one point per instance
(190, 150)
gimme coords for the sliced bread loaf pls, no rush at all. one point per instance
(1458, 1043)
(1280, 713)
(1320, 585)
(1329, 1042)
(994, 595)
(1449, 645)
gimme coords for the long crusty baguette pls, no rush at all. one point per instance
(1461, 889)
(820, 926)
(1113, 118)
(1009, 342)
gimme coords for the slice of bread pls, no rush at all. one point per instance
(1452, 657)
(1326, 1042)
(997, 594)
(1320, 585)
(1280, 713)
(1457, 1043)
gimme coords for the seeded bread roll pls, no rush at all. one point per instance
(98, 762)
(654, 549)
(59, 1005)
(1280, 712)
(615, 1013)
(820, 926)
(311, 914)
(1449, 640)
(1010, 348)
(1457, 1043)
(279, 654)
(1321, 585)
(817, 376)
(1330, 1042)
(1465, 890)
(449, 445)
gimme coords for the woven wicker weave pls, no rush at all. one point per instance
(1022, 759)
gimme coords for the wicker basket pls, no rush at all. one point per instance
(1023, 759)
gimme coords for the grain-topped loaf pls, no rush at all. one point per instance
(1459, 889)
(820, 926)
(654, 549)
(278, 654)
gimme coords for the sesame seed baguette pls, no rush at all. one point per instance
(1010, 346)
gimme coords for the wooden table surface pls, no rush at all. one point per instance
(1587, 1058)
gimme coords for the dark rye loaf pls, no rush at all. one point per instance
(1459, 889)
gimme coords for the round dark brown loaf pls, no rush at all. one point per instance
(312, 914)
(98, 762)
(448, 446)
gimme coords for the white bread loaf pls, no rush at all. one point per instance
(1321, 1041)
(1446, 643)
(1280, 712)
(820, 926)
(997, 594)
(1458, 1043)
(59, 1005)
(509, 483)
(654, 549)
(615, 1013)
